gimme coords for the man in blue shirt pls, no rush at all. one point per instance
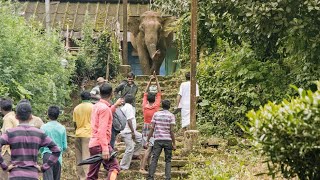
(58, 134)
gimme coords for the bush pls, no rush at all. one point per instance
(232, 81)
(30, 61)
(288, 134)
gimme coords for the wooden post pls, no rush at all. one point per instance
(107, 67)
(125, 34)
(47, 6)
(191, 136)
(194, 29)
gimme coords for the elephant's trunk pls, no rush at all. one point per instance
(153, 52)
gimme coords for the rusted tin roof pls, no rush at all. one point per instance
(65, 15)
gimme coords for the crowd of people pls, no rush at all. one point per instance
(24, 135)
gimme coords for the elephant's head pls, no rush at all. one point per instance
(154, 30)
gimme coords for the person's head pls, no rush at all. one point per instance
(105, 91)
(85, 95)
(129, 98)
(23, 112)
(187, 75)
(101, 81)
(151, 97)
(24, 101)
(53, 112)
(165, 104)
(130, 77)
(6, 105)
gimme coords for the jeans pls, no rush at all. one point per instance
(54, 172)
(132, 148)
(157, 148)
(114, 134)
(82, 152)
(112, 166)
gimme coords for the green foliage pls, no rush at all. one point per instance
(30, 62)
(232, 81)
(288, 134)
(96, 49)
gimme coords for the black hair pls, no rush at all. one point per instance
(6, 105)
(105, 90)
(130, 75)
(23, 111)
(53, 112)
(129, 99)
(166, 104)
(151, 97)
(85, 95)
(24, 101)
(187, 75)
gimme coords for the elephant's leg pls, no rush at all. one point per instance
(144, 59)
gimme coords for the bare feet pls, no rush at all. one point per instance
(142, 171)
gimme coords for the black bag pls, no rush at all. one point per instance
(119, 120)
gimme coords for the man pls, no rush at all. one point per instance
(127, 87)
(95, 92)
(130, 136)
(81, 119)
(101, 123)
(183, 101)
(9, 121)
(162, 129)
(25, 141)
(150, 104)
(35, 121)
(58, 134)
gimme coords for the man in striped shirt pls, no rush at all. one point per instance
(25, 141)
(162, 127)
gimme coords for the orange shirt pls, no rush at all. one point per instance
(148, 110)
(101, 123)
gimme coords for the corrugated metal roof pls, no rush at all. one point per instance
(71, 15)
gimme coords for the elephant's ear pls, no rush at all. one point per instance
(133, 24)
(167, 25)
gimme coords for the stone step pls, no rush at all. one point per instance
(135, 174)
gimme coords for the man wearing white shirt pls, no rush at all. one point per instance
(129, 135)
(183, 101)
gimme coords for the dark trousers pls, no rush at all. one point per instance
(157, 148)
(114, 134)
(54, 172)
(112, 166)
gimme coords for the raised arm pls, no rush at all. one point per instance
(158, 84)
(148, 85)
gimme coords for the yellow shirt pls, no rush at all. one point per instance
(9, 121)
(36, 122)
(82, 118)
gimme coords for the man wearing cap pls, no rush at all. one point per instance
(95, 92)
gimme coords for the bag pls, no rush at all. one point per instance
(119, 120)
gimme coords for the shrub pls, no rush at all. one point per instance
(232, 81)
(30, 61)
(288, 134)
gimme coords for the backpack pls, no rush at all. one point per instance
(119, 120)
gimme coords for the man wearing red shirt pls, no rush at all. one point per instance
(101, 123)
(150, 105)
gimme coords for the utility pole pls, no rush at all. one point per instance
(125, 33)
(47, 6)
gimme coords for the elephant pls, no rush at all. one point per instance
(150, 37)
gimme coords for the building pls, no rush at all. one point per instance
(68, 15)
